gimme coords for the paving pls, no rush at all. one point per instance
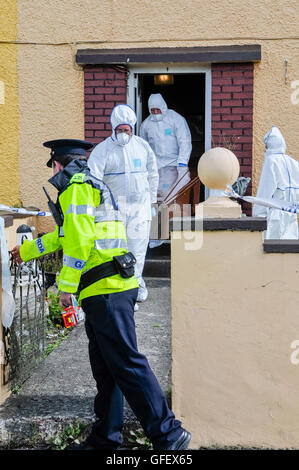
(61, 389)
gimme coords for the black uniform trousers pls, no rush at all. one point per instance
(119, 369)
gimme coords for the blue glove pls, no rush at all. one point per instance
(182, 164)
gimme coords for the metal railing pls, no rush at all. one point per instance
(25, 339)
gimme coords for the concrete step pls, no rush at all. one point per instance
(157, 268)
(162, 250)
(157, 261)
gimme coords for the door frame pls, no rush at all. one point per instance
(134, 101)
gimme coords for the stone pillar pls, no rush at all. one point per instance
(235, 330)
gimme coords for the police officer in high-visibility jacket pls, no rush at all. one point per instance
(97, 264)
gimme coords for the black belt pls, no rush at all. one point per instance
(97, 273)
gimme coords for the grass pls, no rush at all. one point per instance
(60, 336)
(68, 436)
(139, 440)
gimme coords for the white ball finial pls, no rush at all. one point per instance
(218, 167)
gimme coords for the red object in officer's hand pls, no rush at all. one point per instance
(69, 317)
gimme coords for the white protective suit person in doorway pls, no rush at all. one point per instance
(127, 164)
(169, 136)
(167, 132)
(279, 180)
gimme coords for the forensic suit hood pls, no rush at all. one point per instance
(156, 101)
(279, 180)
(122, 114)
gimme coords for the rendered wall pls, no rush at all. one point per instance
(9, 112)
(51, 91)
(51, 86)
(234, 318)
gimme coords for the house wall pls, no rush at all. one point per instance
(9, 110)
(51, 85)
(51, 89)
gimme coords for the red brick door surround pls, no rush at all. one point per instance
(232, 113)
(104, 88)
(232, 106)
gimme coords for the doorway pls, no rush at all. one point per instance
(190, 96)
(186, 96)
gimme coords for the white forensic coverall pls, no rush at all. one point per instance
(279, 180)
(130, 171)
(170, 138)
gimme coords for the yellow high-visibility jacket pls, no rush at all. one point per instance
(90, 234)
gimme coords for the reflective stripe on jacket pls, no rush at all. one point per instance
(92, 234)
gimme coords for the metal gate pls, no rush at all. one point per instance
(25, 340)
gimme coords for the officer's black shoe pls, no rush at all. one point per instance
(180, 444)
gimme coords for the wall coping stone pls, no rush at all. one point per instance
(9, 218)
(281, 246)
(252, 224)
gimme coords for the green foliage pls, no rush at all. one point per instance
(56, 332)
(54, 309)
(62, 335)
(139, 438)
(67, 436)
(168, 395)
(16, 389)
(34, 433)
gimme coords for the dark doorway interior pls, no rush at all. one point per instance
(187, 97)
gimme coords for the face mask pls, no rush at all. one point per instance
(157, 117)
(123, 138)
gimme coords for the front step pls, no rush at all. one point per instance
(157, 261)
(157, 268)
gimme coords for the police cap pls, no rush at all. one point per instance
(62, 147)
